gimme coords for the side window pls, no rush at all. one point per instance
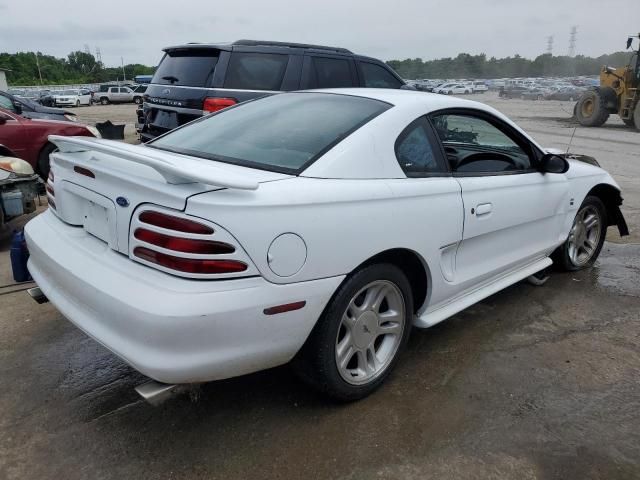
(256, 71)
(376, 76)
(113, 90)
(474, 145)
(330, 73)
(7, 103)
(416, 150)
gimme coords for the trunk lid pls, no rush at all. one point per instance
(98, 184)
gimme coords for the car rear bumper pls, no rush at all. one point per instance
(173, 330)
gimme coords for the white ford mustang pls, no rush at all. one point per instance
(316, 226)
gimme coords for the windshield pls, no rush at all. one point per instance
(70, 92)
(283, 133)
(56, 92)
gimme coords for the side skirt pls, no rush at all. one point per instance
(428, 319)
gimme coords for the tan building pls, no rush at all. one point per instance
(3, 79)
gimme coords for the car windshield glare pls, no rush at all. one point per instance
(284, 133)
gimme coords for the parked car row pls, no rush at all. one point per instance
(537, 92)
(450, 87)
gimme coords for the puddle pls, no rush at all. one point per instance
(618, 269)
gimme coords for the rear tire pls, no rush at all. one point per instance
(77, 103)
(43, 160)
(137, 100)
(359, 337)
(591, 110)
(586, 237)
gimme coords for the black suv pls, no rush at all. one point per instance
(195, 79)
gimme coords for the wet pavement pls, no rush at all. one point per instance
(534, 382)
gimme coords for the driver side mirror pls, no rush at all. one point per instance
(18, 108)
(552, 163)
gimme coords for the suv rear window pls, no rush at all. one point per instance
(283, 133)
(191, 68)
(256, 71)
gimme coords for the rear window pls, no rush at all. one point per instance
(283, 133)
(256, 71)
(190, 68)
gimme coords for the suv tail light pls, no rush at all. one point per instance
(185, 247)
(215, 104)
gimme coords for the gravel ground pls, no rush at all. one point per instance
(531, 383)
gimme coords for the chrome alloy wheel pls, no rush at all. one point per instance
(370, 332)
(584, 236)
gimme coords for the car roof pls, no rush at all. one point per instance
(428, 102)
(258, 44)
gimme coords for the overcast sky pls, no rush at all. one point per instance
(137, 30)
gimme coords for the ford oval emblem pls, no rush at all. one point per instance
(166, 91)
(123, 202)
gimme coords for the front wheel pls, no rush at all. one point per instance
(358, 339)
(77, 103)
(104, 101)
(586, 237)
(137, 100)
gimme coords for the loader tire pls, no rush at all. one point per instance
(591, 110)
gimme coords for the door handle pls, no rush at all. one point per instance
(483, 209)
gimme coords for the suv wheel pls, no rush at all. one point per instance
(137, 100)
(104, 101)
(358, 339)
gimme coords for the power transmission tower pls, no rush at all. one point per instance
(550, 44)
(87, 50)
(98, 55)
(572, 41)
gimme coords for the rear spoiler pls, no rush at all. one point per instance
(174, 167)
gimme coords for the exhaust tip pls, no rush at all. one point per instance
(37, 295)
(156, 393)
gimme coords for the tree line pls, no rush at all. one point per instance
(479, 66)
(78, 67)
(82, 67)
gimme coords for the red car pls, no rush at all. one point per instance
(28, 138)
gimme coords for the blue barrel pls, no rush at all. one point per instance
(19, 257)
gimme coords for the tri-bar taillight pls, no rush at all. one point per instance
(183, 245)
(51, 194)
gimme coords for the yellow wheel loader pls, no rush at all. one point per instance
(617, 93)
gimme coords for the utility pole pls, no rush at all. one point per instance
(124, 78)
(572, 40)
(38, 65)
(550, 44)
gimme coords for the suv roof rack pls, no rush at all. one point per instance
(269, 43)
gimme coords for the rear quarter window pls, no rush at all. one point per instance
(190, 68)
(376, 76)
(256, 71)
